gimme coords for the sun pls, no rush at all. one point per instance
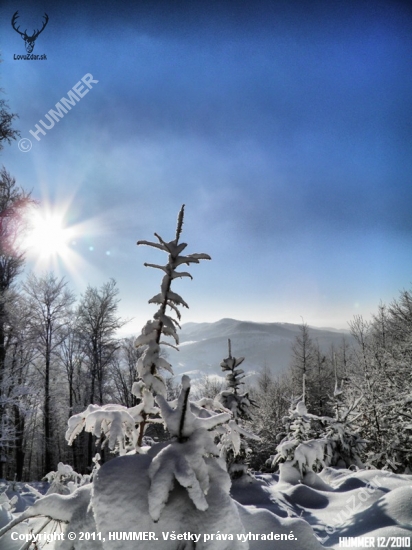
(51, 242)
(48, 234)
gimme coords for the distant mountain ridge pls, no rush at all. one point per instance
(204, 345)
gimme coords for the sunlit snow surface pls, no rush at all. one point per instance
(318, 509)
(335, 503)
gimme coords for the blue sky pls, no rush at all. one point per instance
(285, 128)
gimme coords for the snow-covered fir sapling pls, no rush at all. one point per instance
(346, 443)
(232, 440)
(313, 442)
(302, 445)
(163, 324)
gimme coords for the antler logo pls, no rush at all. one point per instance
(28, 40)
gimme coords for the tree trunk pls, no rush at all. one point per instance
(19, 446)
(48, 464)
(2, 369)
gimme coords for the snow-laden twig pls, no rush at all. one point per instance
(28, 543)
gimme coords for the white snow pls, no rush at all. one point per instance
(314, 510)
(332, 504)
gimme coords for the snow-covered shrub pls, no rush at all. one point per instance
(310, 455)
(61, 514)
(7, 506)
(300, 426)
(64, 481)
(313, 442)
(114, 426)
(18, 495)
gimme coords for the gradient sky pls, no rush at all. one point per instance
(285, 128)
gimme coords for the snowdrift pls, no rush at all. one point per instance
(263, 511)
(332, 505)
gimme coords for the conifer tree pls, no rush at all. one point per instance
(151, 363)
(299, 427)
(233, 444)
(187, 458)
(342, 431)
(232, 399)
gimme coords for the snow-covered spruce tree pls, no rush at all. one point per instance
(342, 432)
(299, 427)
(184, 459)
(151, 363)
(313, 442)
(232, 444)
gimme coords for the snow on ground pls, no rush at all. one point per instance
(315, 511)
(335, 503)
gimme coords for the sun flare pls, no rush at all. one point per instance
(54, 241)
(48, 235)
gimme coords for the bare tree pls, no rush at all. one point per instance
(97, 325)
(208, 386)
(124, 372)
(19, 389)
(321, 380)
(50, 301)
(13, 204)
(72, 358)
(303, 357)
(270, 394)
(400, 320)
(7, 133)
